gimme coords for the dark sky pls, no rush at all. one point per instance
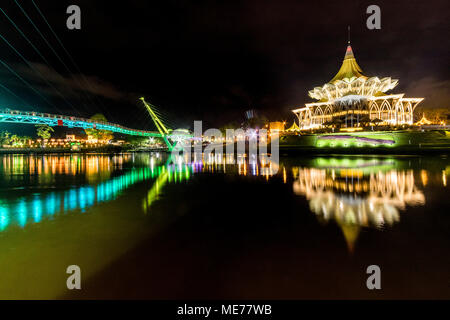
(211, 61)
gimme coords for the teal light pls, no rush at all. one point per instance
(82, 198)
(22, 213)
(50, 204)
(4, 218)
(37, 210)
(71, 201)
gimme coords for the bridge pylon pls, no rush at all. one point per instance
(158, 123)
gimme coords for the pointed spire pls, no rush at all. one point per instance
(348, 35)
(349, 67)
(349, 51)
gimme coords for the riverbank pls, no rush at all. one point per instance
(108, 149)
(370, 142)
(376, 142)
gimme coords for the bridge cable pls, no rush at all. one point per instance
(38, 72)
(38, 52)
(53, 50)
(32, 45)
(65, 50)
(29, 85)
(163, 116)
(13, 94)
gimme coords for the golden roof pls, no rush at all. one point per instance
(423, 121)
(294, 127)
(349, 68)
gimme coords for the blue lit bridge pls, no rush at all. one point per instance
(53, 120)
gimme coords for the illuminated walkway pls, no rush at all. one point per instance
(53, 120)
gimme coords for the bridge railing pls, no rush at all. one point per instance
(73, 121)
(31, 117)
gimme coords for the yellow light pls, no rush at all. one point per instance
(351, 129)
(444, 178)
(424, 177)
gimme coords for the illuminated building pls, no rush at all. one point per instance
(293, 128)
(352, 99)
(423, 121)
(276, 126)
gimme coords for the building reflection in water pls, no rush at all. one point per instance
(357, 193)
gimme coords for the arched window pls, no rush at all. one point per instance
(386, 111)
(401, 113)
(374, 111)
(409, 113)
(328, 115)
(318, 116)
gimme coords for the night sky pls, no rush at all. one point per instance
(211, 61)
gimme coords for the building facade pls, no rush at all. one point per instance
(352, 99)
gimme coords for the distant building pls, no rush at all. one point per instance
(91, 139)
(250, 114)
(276, 126)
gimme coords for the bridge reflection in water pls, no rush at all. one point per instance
(357, 193)
(44, 172)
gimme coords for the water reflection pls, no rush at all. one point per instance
(357, 192)
(31, 209)
(35, 207)
(354, 192)
(17, 169)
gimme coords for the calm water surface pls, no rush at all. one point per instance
(141, 227)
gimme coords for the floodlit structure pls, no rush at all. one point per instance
(352, 99)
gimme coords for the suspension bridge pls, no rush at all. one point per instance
(169, 136)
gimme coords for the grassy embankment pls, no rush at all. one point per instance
(384, 142)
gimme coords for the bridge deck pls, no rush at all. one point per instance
(15, 116)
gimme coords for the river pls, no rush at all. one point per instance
(140, 227)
